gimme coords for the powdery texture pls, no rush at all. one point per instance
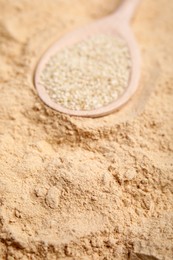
(74, 188)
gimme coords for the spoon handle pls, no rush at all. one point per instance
(126, 9)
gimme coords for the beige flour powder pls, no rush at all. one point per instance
(75, 188)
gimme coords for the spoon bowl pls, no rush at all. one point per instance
(116, 25)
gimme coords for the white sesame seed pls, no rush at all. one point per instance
(88, 75)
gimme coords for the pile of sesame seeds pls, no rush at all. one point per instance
(89, 75)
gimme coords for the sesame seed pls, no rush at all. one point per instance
(88, 75)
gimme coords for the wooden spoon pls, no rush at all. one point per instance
(116, 24)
